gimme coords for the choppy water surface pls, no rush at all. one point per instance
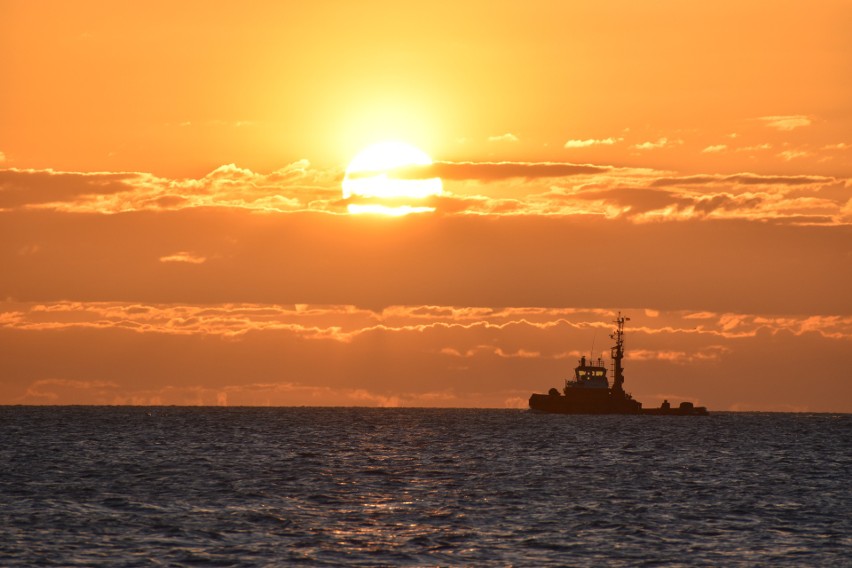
(230, 486)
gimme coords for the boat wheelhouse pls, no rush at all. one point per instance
(591, 375)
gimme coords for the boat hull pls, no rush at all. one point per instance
(605, 403)
(591, 403)
(690, 411)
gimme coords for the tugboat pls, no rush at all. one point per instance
(589, 391)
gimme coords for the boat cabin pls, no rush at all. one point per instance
(589, 374)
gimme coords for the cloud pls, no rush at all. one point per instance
(591, 142)
(516, 188)
(295, 187)
(742, 179)
(710, 353)
(647, 204)
(254, 394)
(493, 171)
(258, 354)
(490, 171)
(57, 391)
(636, 196)
(508, 137)
(786, 122)
(659, 143)
(2, 157)
(715, 149)
(344, 323)
(788, 155)
(33, 187)
(183, 256)
(756, 147)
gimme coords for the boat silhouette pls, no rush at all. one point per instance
(589, 391)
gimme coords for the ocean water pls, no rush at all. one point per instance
(376, 487)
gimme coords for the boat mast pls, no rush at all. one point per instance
(618, 353)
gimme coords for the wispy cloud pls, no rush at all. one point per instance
(511, 322)
(591, 142)
(489, 171)
(786, 122)
(33, 187)
(715, 149)
(707, 354)
(742, 179)
(507, 137)
(51, 391)
(347, 323)
(756, 147)
(185, 257)
(788, 155)
(289, 393)
(658, 143)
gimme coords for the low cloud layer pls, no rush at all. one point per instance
(255, 354)
(481, 188)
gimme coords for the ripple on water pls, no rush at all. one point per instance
(93, 486)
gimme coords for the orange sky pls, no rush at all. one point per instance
(174, 232)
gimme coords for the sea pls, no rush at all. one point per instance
(204, 486)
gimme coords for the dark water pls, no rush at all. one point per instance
(230, 486)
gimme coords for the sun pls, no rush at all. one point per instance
(383, 179)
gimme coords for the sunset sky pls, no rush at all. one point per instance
(173, 228)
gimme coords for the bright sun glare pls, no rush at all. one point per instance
(370, 180)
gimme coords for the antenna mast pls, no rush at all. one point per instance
(592, 352)
(618, 353)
